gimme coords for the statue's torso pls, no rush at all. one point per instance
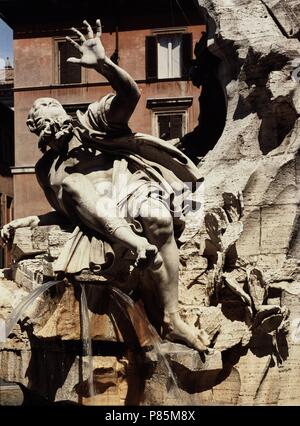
(53, 168)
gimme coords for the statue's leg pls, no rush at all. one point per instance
(101, 214)
(158, 226)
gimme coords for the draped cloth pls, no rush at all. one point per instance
(153, 170)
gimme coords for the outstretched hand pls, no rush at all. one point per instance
(7, 231)
(6, 234)
(91, 48)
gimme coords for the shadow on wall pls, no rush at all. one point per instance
(277, 115)
(204, 75)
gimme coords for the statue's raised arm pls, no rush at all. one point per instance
(93, 56)
(126, 198)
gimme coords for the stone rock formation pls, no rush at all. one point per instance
(50, 331)
(257, 43)
(239, 275)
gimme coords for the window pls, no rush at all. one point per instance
(168, 55)
(68, 73)
(169, 116)
(169, 125)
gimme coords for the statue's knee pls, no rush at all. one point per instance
(161, 224)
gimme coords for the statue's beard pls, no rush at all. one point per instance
(57, 129)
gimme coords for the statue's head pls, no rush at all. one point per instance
(45, 111)
(48, 119)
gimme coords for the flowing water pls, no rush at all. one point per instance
(135, 314)
(21, 308)
(17, 313)
(86, 338)
(128, 307)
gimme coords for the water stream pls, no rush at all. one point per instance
(17, 313)
(127, 306)
(135, 314)
(86, 338)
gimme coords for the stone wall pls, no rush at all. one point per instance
(257, 159)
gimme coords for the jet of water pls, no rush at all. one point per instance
(136, 315)
(86, 338)
(24, 304)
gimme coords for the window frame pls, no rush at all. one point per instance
(56, 68)
(156, 113)
(170, 36)
(152, 60)
(169, 106)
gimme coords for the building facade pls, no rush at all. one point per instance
(152, 40)
(6, 151)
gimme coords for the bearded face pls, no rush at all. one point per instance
(48, 119)
(48, 116)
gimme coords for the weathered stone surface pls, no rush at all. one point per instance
(10, 394)
(60, 374)
(28, 273)
(10, 295)
(56, 239)
(179, 375)
(287, 13)
(289, 369)
(257, 157)
(261, 108)
(224, 332)
(29, 242)
(109, 378)
(251, 371)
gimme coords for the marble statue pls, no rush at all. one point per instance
(115, 186)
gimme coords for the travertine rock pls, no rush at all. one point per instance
(257, 157)
(179, 375)
(287, 13)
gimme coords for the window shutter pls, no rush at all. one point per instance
(187, 54)
(151, 58)
(68, 72)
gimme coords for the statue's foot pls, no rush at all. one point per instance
(147, 256)
(176, 330)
